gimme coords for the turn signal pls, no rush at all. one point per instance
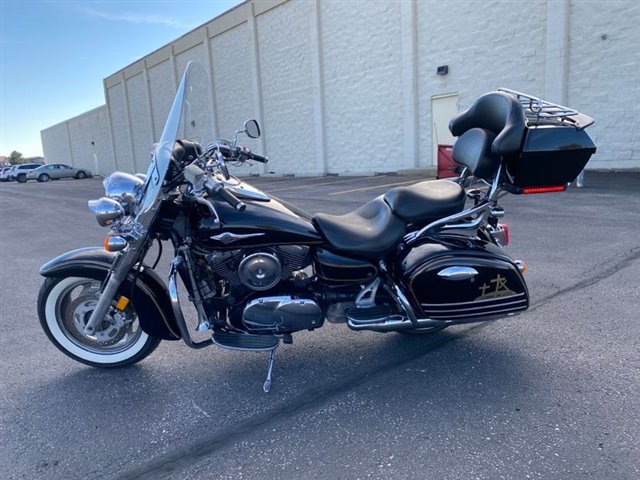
(507, 235)
(114, 243)
(522, 266)
(122, 303)
(530, 190)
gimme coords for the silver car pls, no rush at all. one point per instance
(54, 171)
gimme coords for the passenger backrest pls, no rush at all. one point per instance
(499, 113)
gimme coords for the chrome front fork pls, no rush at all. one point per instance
(119, 271)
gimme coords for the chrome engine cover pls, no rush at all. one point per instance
(260, 271)
(282, 314)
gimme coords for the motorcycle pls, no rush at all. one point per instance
(415, 260)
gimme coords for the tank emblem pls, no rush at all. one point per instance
(496, 288)
(228, 237)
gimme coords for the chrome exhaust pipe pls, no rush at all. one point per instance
(394, 323)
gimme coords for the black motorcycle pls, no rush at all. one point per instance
(414, 260)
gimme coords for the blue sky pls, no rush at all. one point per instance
(55, 54)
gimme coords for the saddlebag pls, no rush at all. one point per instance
(463, 285)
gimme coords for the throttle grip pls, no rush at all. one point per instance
(257, 158)
(226, 195)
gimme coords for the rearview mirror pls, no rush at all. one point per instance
(251, 128)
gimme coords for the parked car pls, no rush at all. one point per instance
(4, 174)
(19, 172)
(54, 171)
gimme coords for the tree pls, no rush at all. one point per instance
(16, 158)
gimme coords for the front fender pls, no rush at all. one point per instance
(150, 296)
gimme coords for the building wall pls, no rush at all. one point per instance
(346, 87)
(604, 77)
(82, 141)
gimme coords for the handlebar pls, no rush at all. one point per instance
(219, 190)
(258, 158)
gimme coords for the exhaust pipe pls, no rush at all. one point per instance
(393, 323)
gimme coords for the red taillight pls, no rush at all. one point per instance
(530, 190)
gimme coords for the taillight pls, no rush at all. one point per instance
(530, 190)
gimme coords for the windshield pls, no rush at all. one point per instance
(190, 118)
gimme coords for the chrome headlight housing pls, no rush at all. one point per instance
(125, 189)
(106, 210)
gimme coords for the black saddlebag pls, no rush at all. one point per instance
(463, 285)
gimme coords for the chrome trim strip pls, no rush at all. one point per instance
(471, 309)
(479, 314)
(468, 303)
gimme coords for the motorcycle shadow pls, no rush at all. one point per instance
(317, 366)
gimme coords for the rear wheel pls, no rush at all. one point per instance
(43, 177)
(80, 175)
(22, 178)
(64, 307)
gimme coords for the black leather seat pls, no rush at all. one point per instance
(370, 231)
(426, 201)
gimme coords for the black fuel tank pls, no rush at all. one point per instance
(262, 223)
(463, 285)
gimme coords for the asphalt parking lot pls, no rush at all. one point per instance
(552, 394)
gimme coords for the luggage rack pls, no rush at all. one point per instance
(541, 112)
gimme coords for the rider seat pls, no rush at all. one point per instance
(426, 202)
(370, 231)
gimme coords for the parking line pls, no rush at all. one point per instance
(317, 184)
(373, 188)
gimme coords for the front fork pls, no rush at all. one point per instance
(117, 274)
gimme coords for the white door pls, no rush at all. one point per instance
(443, 108)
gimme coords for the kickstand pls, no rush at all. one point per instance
(267, 383)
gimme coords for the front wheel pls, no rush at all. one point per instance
(43, 177)
(22, 178)
(64, 307)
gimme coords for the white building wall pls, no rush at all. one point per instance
(604, 77)
(55, 144)
(497, 44)
(81, 141)
(285, 52)
(162, 88)
(362, 55)
(346, 86)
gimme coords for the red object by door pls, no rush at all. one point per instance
(446, 165)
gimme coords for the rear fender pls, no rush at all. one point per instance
(150, 296)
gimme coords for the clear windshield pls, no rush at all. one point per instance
(190, 118)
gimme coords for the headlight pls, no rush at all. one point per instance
(107, 210)
(124, 188)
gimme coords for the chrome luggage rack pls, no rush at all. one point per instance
(541, 112)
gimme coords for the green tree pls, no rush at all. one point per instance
(16, 158)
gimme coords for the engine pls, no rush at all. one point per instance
(291, 309)
(259, 270)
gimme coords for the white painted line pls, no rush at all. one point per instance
(374, 187)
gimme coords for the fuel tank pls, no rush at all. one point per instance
(461, 285)
(264, 222)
